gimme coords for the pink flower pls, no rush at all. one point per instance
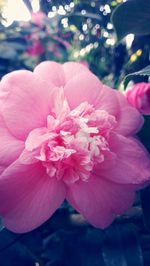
(139, 97)
(35, 49)
(38, 18)
(66, 135)
(85, 63)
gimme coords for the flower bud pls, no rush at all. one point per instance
(139, 97)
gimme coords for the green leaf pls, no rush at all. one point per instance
(119, 243)
(143, 72)
(132, 16)
(145, 198)
(13, 252)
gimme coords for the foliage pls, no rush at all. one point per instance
(134, 18)
(143, 72)
(136, 22)
(60, 242)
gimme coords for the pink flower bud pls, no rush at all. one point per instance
(35, 49)
(38, 18)
(139, 97)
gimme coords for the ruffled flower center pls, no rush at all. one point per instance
(73, 142)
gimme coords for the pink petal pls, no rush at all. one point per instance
(10, 147)
(132, 163)
(36, 137)
(107, 100)
(129, 119)
(99, 200)
(25, 102)
(72, 69)
(108, 163)
(2, 168)
(84, 87)
(28, 197)
(28, 157)
(51, 72)
(87, 87)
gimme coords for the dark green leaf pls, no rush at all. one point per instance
(74, 248)
(132, 16)
(12, 252)
(145, 133)
(145, 199)
(143, 72)
(120, 242)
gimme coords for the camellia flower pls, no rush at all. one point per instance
(66, 135)
(139, 97)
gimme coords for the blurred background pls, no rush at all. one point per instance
(81, 30)
(112, 46)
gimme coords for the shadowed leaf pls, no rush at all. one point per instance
(121, 246)
(143, 72)
(132, 16)
(145, 199)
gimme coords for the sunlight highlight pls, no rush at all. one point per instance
(15, 12)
